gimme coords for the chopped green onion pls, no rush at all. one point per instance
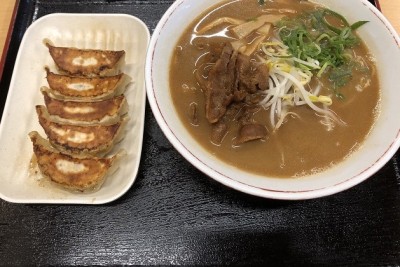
(358, 24)
(311, 38)
(322, 70)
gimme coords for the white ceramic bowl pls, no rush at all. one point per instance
(380, 146)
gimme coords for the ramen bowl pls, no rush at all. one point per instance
(381, 144)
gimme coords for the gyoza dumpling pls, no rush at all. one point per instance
(86, 113)
(82, 174)
(81, 141)
(86, 62)
(83, 88)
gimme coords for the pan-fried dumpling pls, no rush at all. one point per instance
(81, 141)
(86, 62)
(82, 174)
(84, 88)
(86, 113)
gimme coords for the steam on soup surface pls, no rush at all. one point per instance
(285, 88)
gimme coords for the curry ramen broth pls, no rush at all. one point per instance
(303, 144)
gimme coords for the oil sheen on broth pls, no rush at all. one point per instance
(299, 140)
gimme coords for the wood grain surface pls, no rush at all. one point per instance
(391, 9)
(6, 11)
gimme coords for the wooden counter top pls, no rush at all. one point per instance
(6, 12)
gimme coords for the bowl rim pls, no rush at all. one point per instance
(241, 186)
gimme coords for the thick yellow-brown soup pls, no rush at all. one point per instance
(282, 88)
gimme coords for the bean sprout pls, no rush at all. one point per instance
(287, 81)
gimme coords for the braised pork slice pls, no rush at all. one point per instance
(218, 132)
(251, 77)
(249, 130)
(231, 79)
(221, 81)
(220, 129)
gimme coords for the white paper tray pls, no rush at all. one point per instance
(96, 31)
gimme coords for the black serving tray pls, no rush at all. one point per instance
(174, 214)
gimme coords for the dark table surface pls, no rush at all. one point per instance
(174, 214)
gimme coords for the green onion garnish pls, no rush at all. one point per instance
(312, 37)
